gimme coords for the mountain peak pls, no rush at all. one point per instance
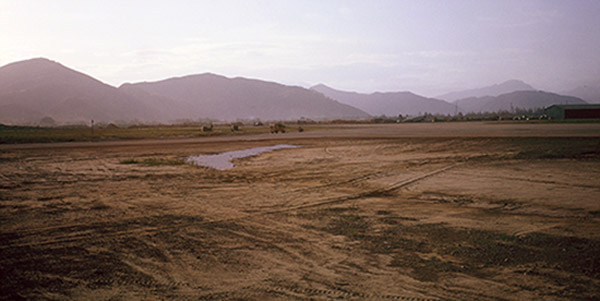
(32, 63)
(527, 99)
(35, 88)
(513, 81)
(320, 86)
(493, 90)
(39, 60)
(516, 84)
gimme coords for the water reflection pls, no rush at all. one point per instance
(222, 161)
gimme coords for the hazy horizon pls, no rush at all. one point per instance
(426, 47)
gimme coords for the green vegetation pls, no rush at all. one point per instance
(24, 134)
(554, 121)
(129, 161)
(557, 148)
(19, 134)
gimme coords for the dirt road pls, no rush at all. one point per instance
(426, 211)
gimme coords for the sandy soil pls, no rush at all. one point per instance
(423, 211)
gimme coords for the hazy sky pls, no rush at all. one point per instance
(428, 47)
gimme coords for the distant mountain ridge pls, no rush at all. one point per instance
(589, 93)
(388, 103)
(514, 100)
(493, 90)
(223, 98)
(33, 89)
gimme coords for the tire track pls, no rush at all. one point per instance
(310, 293)
(390, 188)
(95, 235)
(548, 182)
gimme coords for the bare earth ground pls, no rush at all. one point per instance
(425, 211)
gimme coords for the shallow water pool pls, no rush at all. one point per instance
(222, 161)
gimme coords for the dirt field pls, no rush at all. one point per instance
(457, 211)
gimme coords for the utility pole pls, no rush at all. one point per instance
(92, 126)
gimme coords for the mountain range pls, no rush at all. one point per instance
(388, 103)
(38, 89)
(217, 97)
(589, 93)
(30, 90)
(407, 103)
(33, 89)
(514, 100)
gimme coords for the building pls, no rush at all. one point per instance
(573, 111)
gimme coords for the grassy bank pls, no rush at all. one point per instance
(21, 134)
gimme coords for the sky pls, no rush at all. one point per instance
(427, 47)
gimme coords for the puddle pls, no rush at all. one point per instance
(222, 161)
